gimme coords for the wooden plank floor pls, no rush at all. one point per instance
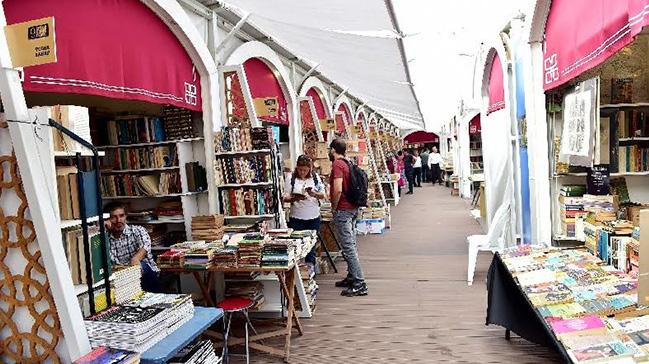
(420, 309)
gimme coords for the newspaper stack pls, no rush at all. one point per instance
(197, 352)
(208, 228)
(127, 284)
(140, 324)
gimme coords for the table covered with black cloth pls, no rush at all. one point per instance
(509, 307)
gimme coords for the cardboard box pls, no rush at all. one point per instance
(643, 277)
(322, 150)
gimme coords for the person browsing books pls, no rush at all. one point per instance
(131, 245)
(304, 190)
(344, 218)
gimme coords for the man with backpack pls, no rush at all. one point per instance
(348, 188)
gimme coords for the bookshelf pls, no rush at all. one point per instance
(243, 152)
(151, 144)
(66, 224)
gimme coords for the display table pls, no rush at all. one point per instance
(286, 276)
(509, 307)
(163, 351)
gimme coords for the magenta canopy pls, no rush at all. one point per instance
(496, 89)
(581, 34)
(474, 125)
(118, 49)
(421, 137)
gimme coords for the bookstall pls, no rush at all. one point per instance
(422, 140)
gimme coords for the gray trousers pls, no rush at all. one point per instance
(345, 221)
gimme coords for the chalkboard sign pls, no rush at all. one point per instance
(598, 180)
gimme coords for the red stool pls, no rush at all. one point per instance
(230, 306)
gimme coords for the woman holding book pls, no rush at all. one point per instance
(304, 190)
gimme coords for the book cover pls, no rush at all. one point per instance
(587, 325)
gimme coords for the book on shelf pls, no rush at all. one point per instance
(135, 130)
(243, 202)
(74, 249)
(178, 123)
(141, 185)
(196, 177)
(245, 139)
(74, 118)
(240, 170)
(68, 192)
(141, 158)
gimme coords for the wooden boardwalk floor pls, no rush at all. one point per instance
(420, 309)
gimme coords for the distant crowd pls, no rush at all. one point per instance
(415, 166)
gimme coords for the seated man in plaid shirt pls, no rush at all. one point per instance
(131, 245)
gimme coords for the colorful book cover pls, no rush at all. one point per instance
(580, 326)
(103, 355)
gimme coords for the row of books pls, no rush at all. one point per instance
(136, 130)
(243, 202)
(196, 177)
(141, 185)
(178, 123)
(632, 158)
(575, 293)
(74, 251)
(249, 169)
(243, 139)
(632, 123)
(210, 227)
(68, 192)
(141, 158)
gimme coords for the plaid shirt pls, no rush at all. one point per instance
(133, 238)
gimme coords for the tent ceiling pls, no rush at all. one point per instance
(356, 44)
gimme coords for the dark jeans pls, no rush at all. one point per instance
(410, 176)
(418, 176)
(425, 173)
(150, 279)
(299, 224)
(436, 177)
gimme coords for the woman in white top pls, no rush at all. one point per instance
(304, 190)
(417, 168)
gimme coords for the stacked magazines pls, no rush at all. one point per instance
(139, 324)
(197, 352)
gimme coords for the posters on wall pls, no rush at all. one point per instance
(580, 110)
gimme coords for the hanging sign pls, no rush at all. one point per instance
(357, 129)
(579, 112)
(327, 124)
(597, 180)
(266, 106)
(32, 43)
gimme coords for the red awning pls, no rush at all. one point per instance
(474, 125)
(317, 102)
(581, 34)
(307, 116)
(263, 83)
(496, 89)
(118, 49)
(421, 137)
(345, 118)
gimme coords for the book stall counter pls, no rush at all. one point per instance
(570, 301)
(165, 349)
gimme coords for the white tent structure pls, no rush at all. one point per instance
(356, 44)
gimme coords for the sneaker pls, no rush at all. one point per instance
(359, 289)
(344, 283)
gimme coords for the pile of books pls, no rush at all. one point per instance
(139, 324)
(103, 354)
(250, 289)
(170, 211)
(239, 170)
(325, 211)
(172, 258)
(201, 254)
(141, 158)
(178, 123)
(226, 257)
(208, 227)
(276, 253)
(572, 206)
(197, 352)
(250, 249)
(127, 284)
(252, 201)
(578, 297)
(601, 204)
(135, 130)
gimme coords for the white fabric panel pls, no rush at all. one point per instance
(199, 22)
(370, 67)
(496, 152)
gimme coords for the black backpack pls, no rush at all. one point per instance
(358, 181)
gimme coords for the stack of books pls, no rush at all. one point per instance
(276, 253)
(250, 289)
(170, 211)
(307, 272)
(572, 206)
(127, 284)
(172, 258)
(196, 352)
(178, 123)
(135, 130)
(250, 250)
(74, 118)
(141, 158)
(239, 170)
(210, 227)
(200, 256)
(103, 354)
(226, 257)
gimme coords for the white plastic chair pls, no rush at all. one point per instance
(479, 243)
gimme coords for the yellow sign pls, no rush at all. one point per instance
(32, 42)
(327, 124)
(266, 106)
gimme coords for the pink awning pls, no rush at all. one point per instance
(118, 49)
(342, 120)
(421, 137)
(581, 34)
(317, 102)
(307, 116)
(496, 89)
(263, 83)
(474, 125)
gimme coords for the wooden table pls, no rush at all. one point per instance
(205, 277)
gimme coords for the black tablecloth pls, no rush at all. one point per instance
(509, 307)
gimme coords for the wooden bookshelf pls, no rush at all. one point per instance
(151, 144)
(624, 105)
(141, 170)
(171, 195)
